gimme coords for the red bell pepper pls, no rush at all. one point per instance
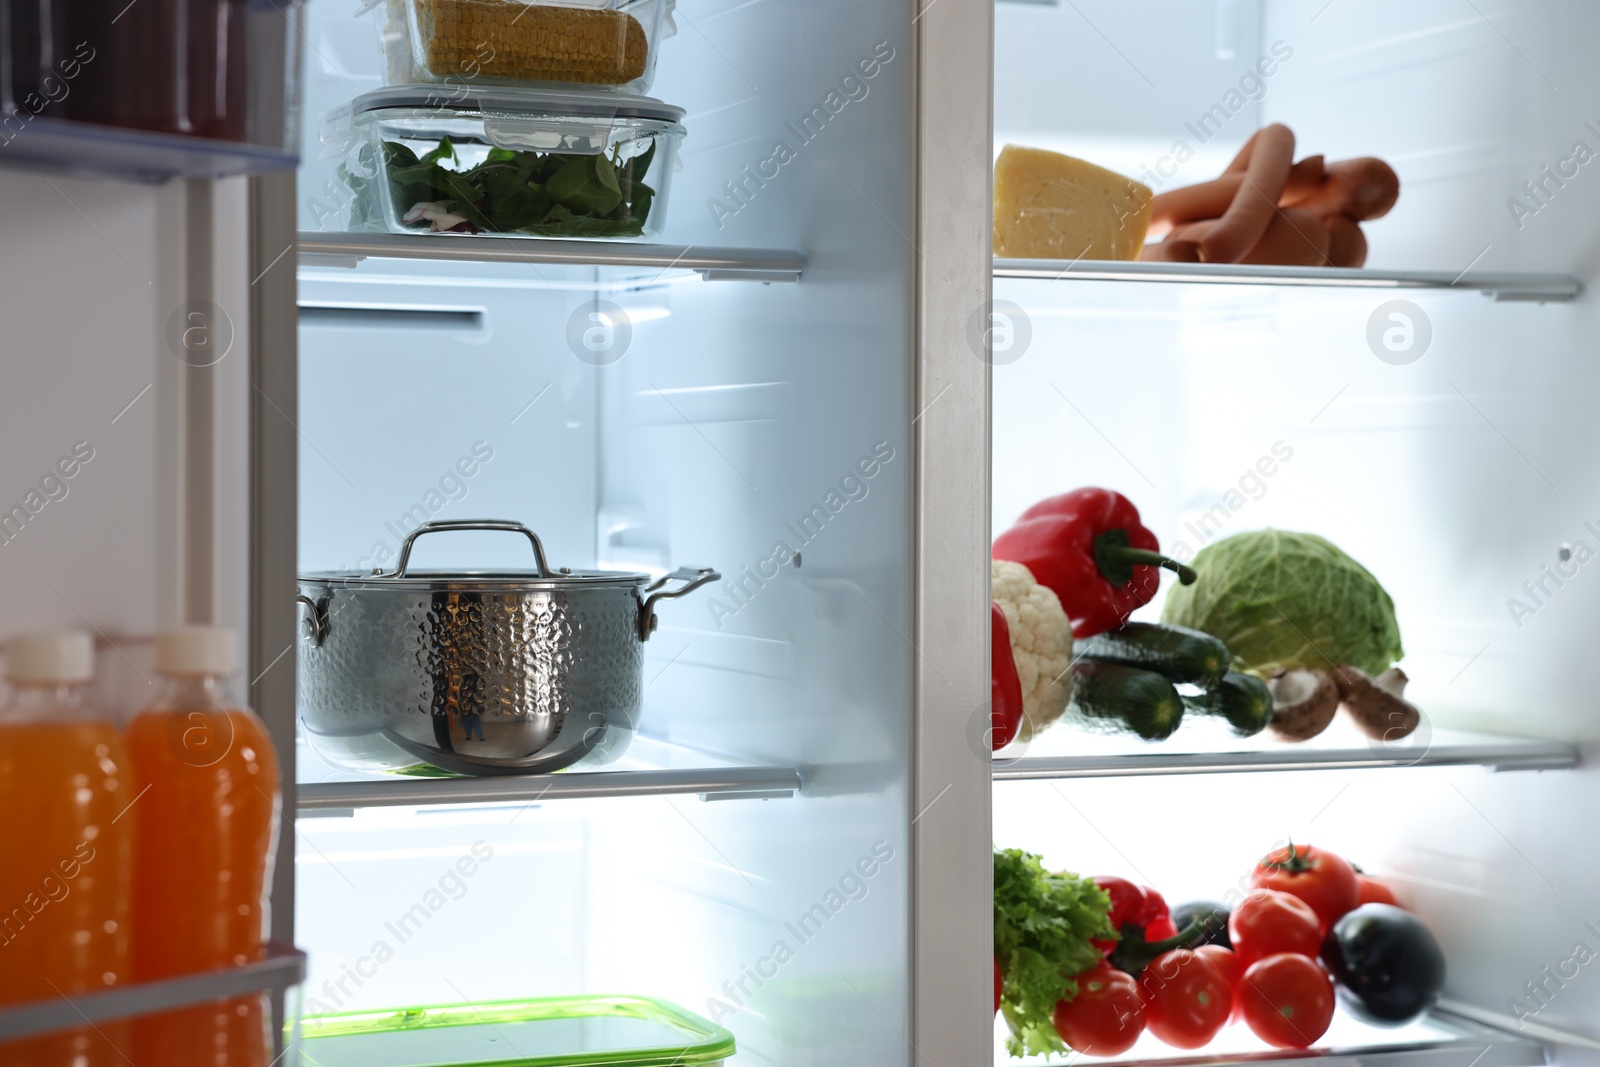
(1144, 926)
(1088, 547)
(1005, 686)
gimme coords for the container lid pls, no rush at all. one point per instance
(197, 650)
(515, 100)
(485, 580)
(552, 1032)
(44, 658)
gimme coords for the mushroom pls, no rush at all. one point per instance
(1303, 703)
(1377, 705)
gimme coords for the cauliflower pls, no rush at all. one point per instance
(1041, 643)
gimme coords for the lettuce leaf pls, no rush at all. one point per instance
(1043, 927)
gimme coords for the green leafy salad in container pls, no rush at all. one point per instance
(507, 162)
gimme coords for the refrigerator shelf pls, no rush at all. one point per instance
(1540, 288)
(1438, 1039)
(1205, 748)
(648, 768)
(283, 967)
(712, 264)
(83, 148)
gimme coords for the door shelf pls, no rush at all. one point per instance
(1062, 752)
(649, 768)
(712, 264)
(1439, 1039)
(283, 967)
(83, 148)
(1539, 288)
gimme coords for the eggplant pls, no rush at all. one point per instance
(1214, 915)
(1386, 965)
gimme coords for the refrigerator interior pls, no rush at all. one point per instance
(731, 412)
(1462, 477)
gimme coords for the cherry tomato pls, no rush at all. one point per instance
(1226, 964)
(1268, 922)
(1186, 1001)
(1287, 1000)
(1321, 879)
(997, 987)
(1107, 1015)
(1371, 891)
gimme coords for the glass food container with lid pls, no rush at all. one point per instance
(516, 162)
(598, 44)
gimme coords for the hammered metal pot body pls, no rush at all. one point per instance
(469, 677)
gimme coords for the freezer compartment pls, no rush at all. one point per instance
(597, 44)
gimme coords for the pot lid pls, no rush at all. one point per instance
(542, 576)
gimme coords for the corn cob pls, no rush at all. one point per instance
(510, 39)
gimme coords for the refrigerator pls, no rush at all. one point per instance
(795, 844)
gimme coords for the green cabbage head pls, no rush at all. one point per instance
(1280, 600)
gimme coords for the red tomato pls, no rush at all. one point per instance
(1186, 1001)
(1372, 891)
(1287, 1000)
(1268, 922)
(1321, 879)
(997, 987)
(1226, 964)
(1107, 1015)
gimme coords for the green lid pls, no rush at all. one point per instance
(550, 1032)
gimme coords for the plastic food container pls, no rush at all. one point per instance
(553, 1032)
(519, 162)
(609, 44)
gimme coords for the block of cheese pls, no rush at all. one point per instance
(1051, 206)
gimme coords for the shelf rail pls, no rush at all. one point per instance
(712, 264)
(1540, 288)
(283, 967)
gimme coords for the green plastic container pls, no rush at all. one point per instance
(550, 1032)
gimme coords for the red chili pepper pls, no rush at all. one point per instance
(1088, 547)
(1005, 687)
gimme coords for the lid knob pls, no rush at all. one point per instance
(197, 650)
(45, 658)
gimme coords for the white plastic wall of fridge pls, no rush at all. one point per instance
(106, 340)
(423, 400)
(1162, 92)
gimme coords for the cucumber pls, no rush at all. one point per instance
(1242, 699)
(1177, 652)
(1110, 698)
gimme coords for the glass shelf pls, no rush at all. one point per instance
(649, 768)
(1439, 1039)
(713, 264)
(136, 155)
(1207, 747)
(1539, 288)
(283, 967)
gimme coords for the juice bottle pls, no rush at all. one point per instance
(65, 848)
(208, 831)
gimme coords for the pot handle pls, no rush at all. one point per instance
(442, 525)
(692, 577)
(319, 622)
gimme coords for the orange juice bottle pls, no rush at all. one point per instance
(67, 798)
(208, 832)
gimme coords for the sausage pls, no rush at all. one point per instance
(1208, 200)
(1266, 172)
(1349, 244)
(1294, 237)
(1364, 189)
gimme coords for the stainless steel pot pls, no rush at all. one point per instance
(477, 672)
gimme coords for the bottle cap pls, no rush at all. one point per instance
(43, 658)
(197, 650)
